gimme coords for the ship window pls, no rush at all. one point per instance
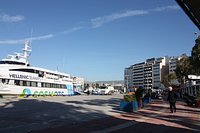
(6, 81)
(11, 62)
(17, 82)
(42, 84)
(3, 81)
(48, 85)
(23, 70)
(28, 83)
(21, 83)
(24, 83)
(45, 84)
(63, 86)
(38, 84)
(34, 84)
(41, 74)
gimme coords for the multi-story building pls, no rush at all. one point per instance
(154, 71)
(78, 84)
(148, 74)
(173, 62)
(160, 69)
(128, 77)
(138, 75)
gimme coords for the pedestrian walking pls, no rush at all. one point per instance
(172, 99)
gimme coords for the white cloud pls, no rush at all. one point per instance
(7, 18)
(72, 30)
(42, 37)
(99, 21)
(23, 40)
(96, 22)
(171, 7)
(11, 41)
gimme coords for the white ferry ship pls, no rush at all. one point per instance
(17, 77)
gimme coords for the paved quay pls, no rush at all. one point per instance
(22, 115)
(154, 118)
(93, 114)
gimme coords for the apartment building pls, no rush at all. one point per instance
(173, 61)
(160, 69)
(138, 75)
(128, 77)
(148, 74)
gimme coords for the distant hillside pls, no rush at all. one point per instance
(110, 82)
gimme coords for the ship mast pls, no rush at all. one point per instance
(27, 51)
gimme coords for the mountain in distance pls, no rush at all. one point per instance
(114, 82)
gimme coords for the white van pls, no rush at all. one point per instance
(106, 90)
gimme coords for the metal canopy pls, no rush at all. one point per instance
(192, 9)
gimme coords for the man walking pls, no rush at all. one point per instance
(172, 99)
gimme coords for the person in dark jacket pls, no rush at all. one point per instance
(172, 99)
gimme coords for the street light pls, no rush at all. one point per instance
(196, 34)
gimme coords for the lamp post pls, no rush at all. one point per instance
(126, 83)
(196, 34)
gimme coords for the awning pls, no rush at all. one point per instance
(192, 9)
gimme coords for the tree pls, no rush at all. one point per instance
(195, 57)
(189, 65)
(97, 85)
(168, 79)
(183, 69)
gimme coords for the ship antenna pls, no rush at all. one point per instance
(31, 37)
(27, 48)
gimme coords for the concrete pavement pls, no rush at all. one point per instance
(20, 115)
(154, 118)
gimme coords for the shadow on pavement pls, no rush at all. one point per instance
(24, 115)
(143, 127)
(38, 116)
(99, 102)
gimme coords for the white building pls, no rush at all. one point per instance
(138, 75)
(173, 62)
(78, 83)
(148, 74)
(160, 69)
(128, 77)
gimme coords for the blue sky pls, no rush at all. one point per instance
(94, 39)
